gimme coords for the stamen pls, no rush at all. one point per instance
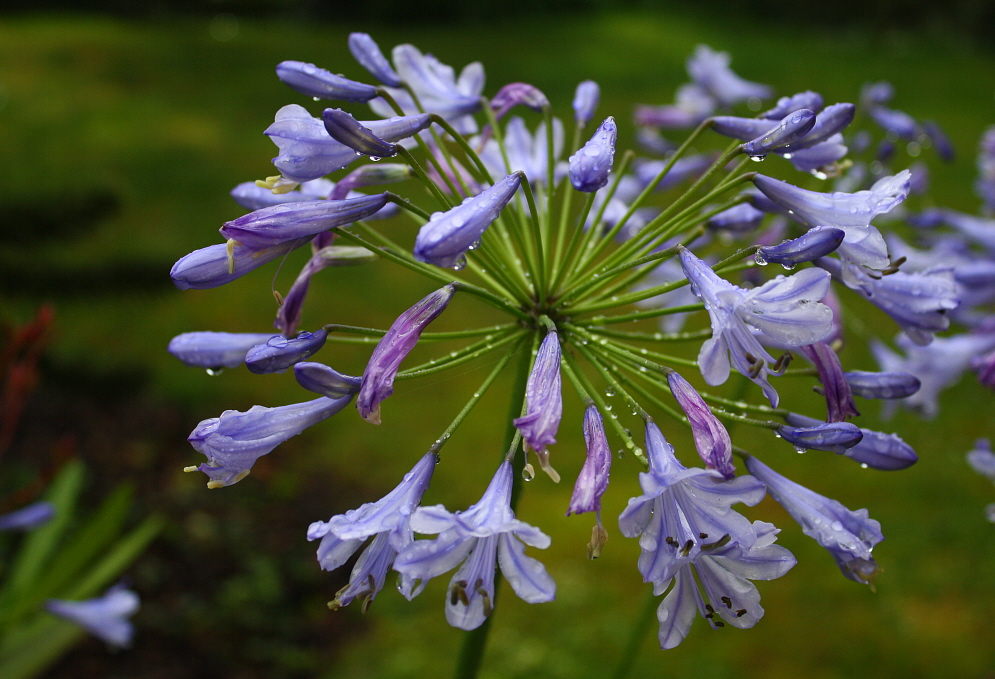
(686, 549)
(740, 613)
(703, 536)
(672, 542)
(727, 601)
(488, 607)
(721, 542)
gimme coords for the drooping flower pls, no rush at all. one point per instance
(836, 437)
(387, 521)
(317, 82)
(593, 478)
(393, 348)
(483, 537)
(850, 536)
(233, 442)
(346, 130)
(217, 265)
(710, 436)
(445, 239)
(518, 94)
(324, 380)
(816, 242)
(881, 384)
(684, 521)
(544, 400)
(105, 616)
(214, 350)
(835, 387)
(786, 310)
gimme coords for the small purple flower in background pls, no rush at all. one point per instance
(27, 518)
(710, 436)
(387, 521)
(378, 378)
(850, 536)
(105, 616)
(684, 521)
(233, 442)
(710, 70)
(585, 103)
(544, 402)
(518, 94)
(525, 151)
(483, 537)
(881, 384)
(982, 460)
(591, 165)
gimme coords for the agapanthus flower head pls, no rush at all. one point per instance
(105, 616)
(278, 353)
(850, 536)
(543, 397)
(233, 442)
(387, 520)
(593, 478)
(445, 239)
(591, 165)
(401, 338)
(214, 350)
(483, 537)
(317, 82)
(365, 50)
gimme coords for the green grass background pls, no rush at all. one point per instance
(166, 118)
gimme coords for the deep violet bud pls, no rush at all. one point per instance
(233, 442)
(544, 399)
(283, 223)
(26, 518)
(710, 436)
(817, 242)
(593, 478)
(886, 452)
(591, 165)
(743, 129)
(586, 100)
(446, 237)
(882, 384)
(214, 350)
(278, 353)
(214, 265)
(839, 397)
(794, 126)
(346, 130)
(834, 437)
(849, 536)
(317, 82)
(366, 51)
(401, 338)
(322, 379)
(105, 617)
(518, 94)
(785, 105)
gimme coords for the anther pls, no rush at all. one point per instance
(740, 613)
(686, 549)
(703, 536)
(672, 542)
(721, 542)
(727, 601)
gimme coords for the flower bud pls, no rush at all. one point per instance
(279, 353)
(366, 51)
(317, 82)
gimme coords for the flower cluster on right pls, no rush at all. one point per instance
(597, 295)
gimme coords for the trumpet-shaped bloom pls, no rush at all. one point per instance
(483, 537)
(233, 442)
(684, 520)
(401, 338)
(850, 536)
(544, 400)
(445, 239)
(105, 616)
(387, 520)
(785, 310)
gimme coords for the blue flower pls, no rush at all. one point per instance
(27, 518)
(387, 521)
(835, 386)
(886, 452)
(544, 400)
(684, 521)
(278, 353)
(317, 82)
(214, 350)
(593, 478)
(710, 437)
(850, 536)
(105, 617)
(217, 265)
(591, 165)
(585, 103)
(366, 51)
(710, 71)
(483, 537)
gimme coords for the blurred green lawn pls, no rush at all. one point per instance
(164, 119)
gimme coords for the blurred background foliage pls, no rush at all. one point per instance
(121, 135)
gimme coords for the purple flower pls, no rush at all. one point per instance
(895, 122)
(105, 616)
(278, 353)
(378, 378)
(985, 367)
(233, 442)
(345, 129)
(29, 517)
(816, 242)
(694, 104)
(684, 521)
(525, 151)
(839, 397)
(710, 436)
(881, 384)
(279, 224)
(326, 381)
(593, 478)
(710, 71)
(214, 350)
(785, 105)
(215, 265)
(794, 126)
(387, 521)
(591, 165)
(785, 310)
(740, 218)
(366, 51)
(447, 236)
(982, 460)
(483, 537)
(518, 94)
(585, 102)
(836, 437)
(543, 398)
(886, 452)
(317, 82)
(848, 535)
(251, 196)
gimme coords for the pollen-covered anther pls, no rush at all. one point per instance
(783, 361)
(894, 267)
(686, 549)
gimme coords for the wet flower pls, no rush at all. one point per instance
(591, 165)
(710, 436)
(214, 350)
(544, 400)
(593, 478)
(278, 353)
(317, 82)
(483, 537)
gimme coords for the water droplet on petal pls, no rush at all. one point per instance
(528, 472)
